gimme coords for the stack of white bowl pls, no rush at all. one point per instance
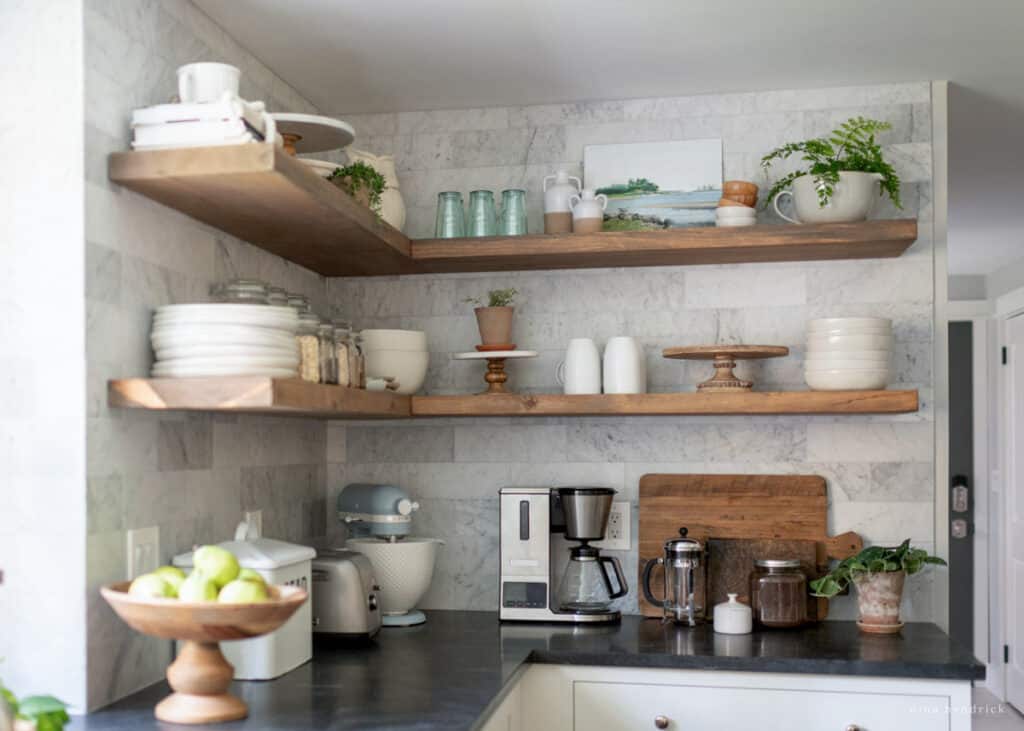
(398, 354)
(225, 339)
(735, 216)
(848, 353)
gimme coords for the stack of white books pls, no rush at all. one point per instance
(229, 121)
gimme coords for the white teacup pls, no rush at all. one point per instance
(207, 82)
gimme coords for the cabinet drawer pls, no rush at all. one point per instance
(635, 706)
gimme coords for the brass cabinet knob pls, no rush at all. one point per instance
(660, 722)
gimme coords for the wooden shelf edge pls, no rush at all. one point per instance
(670, 404)
(255, 395)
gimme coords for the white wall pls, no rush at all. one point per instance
(42, 350)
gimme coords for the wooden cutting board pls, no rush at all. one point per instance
(780, 507)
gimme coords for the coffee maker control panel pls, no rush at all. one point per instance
(524, 595)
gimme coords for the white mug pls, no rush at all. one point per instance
(580, 372)
(625, 368)
(207, 82)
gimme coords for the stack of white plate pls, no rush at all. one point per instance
(848, 353)
(192, 341)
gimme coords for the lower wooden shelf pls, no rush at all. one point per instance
(292, 397)
(669, 404)
(258, 395)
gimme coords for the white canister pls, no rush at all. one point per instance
(207, 82)
(588, 211)
(733, 617)
(558, 189)
(580, 372)
(624, 366)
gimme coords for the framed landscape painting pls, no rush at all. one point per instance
(655, 185)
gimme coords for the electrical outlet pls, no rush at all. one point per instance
(255, 520)
(143, 549)
(616, 537)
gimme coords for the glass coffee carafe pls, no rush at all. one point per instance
(587, 585)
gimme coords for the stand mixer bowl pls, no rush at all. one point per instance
(403, 568)
(586, 511)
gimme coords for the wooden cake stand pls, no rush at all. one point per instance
(495, 376)
(725, 357)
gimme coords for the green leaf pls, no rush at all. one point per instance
(53, 721)
(38, 704)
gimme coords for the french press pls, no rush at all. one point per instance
(684, 572)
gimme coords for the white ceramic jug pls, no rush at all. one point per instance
(392, 207)
(625, 369)
(588, 211)
(580, 372)
(557, 213)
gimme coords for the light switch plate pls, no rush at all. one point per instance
(143, 551)
(617, 535)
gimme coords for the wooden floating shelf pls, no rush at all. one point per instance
(256, 395)
(292, 397)
(669, 404)
(274, 201)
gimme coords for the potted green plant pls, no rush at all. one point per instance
(34, 713)
(878, 573)
(361, 181)
(495, 320)
(843, 172)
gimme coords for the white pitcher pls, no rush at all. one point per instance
(588, 211)
(392, 207)
(625, 367)
(557, 213)
(580, 372)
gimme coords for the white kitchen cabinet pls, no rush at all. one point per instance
(578, 698)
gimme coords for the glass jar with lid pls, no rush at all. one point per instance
(277, 297)
(778, 593)
(298, 302)
(357, 371)
(308, 337)
(328, 359)
(240, 291)
(342, 345)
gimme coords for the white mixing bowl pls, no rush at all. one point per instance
(848, 342)
(394, 340)
(408, 367)
(828, 324)
(402, 568)
(847, 380)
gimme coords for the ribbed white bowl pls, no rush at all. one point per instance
(846, 343)
(403, 569)
(415, 340)
(841, 323)
(846, 380)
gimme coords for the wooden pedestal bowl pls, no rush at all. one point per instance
(200, 676)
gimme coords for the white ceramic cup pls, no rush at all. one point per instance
(624, 366)
(580, 372)
(207, 82)
(852, 200)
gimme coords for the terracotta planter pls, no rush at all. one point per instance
(878, 599)
(495, 325)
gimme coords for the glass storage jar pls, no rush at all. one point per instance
(358, 370)
(778, 593)
(342, 338)
(298, 302)
(277, 297)
(328, 362)
(240, 291)
(309, 347)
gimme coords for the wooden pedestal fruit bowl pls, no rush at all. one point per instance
(200, 676)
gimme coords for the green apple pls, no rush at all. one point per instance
(217, 563)
(243, 592)
(172, 575)
(197, 588)
(251, 575)
(151, 585)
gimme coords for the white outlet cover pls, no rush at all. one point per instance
(618, 528)
(142, 551)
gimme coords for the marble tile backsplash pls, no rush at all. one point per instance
(192, 475)
(879, 468)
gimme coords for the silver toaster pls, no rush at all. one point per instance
(345, 601)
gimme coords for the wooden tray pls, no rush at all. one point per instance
(750, 507)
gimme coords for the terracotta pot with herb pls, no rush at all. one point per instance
(878, 573)
(361, 181)
(495, 320)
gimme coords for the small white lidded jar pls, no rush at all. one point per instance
(733, 617)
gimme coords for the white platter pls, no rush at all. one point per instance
(220, 335)
(201, 371)
(284, 318)
(476, 355)
(316, 133)
(220, 350)
(268, 361)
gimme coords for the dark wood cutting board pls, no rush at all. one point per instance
(751, 507)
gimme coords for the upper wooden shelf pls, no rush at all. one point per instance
(292, 397)
(256, 395)
(262, 195)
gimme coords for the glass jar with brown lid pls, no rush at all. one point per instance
(778, 593)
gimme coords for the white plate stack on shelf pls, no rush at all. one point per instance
(201, 340)
(848, 353)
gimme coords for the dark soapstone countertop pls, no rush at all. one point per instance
(445, 673)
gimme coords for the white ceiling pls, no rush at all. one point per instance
(392, 55)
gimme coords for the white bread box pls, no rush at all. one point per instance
(291, 645)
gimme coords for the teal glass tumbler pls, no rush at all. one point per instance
(451, 217)
(513, 213)
(483, 218)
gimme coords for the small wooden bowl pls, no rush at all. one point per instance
(739, 187)
(744, 200)
(200, 676)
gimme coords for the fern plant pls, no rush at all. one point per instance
(850, 148)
